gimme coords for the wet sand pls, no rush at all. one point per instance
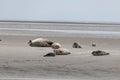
(20, 61)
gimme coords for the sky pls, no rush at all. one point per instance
(61, 10)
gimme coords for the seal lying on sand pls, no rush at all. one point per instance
(76, 45)
(56, 45)
(40, 42)
(93, 45)
(61, 51)
(50, 55)
(99, 53)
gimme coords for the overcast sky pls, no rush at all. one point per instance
(61, 10)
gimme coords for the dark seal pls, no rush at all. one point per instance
(50, 55)
(76, 45)
(99, 53)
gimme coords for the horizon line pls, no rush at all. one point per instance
(62, 22)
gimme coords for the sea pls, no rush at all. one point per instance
(59, 29)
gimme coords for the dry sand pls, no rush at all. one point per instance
(19, 60)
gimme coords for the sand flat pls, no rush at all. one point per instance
(20, 61)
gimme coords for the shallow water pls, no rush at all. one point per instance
(53, 29)
(7, 30)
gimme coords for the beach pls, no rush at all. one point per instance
(20, 61)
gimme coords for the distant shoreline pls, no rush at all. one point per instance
(61, 22)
